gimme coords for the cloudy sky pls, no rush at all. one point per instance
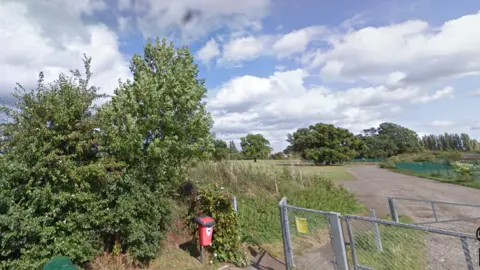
(272, 66)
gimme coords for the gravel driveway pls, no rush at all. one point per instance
(444, 252)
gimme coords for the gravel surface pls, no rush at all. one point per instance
(374, 185)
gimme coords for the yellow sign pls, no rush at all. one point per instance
(302, 225)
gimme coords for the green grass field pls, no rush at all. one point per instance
(334, 173)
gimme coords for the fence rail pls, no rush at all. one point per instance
(315, 239)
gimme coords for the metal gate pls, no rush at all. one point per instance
(316, 239)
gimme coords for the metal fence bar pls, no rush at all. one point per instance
(338, 243)
(449, 220)
(437, 202)
(393, 209)
(352, 243)
(434, 212)
(414, 226)
(307, 210)
(375, 230)
(466, 252)
(235, 204)
(287, 240)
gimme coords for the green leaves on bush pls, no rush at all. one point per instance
(77, 180)
(216, 202)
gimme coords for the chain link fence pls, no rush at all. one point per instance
(324, 240)
(408, 246)
(310, 237)
(445, 215)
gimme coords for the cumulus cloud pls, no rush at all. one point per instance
(445, 92)
(296, 41)
(439, 123)
(244, 48)
(420, 51)
(209, 51)
(194, 19)
(284, 102)
(33, 41)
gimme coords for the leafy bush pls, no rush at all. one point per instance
(464, 170)
(77, 181)
(389, 164)
(216, 202)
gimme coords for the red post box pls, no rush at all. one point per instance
(205, 230)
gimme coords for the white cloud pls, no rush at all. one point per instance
(29, 45)
(284, 102)
(475, 93)
(161, 17)
(439, 123)
(244, 48)
(419, 51)
(209, 51)
(445, 92)
(296, 41)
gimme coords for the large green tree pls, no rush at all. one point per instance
(389, 139)
(221, 151)
(325, 143)
(74, 182)
(255, 146)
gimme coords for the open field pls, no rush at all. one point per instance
(334, 173)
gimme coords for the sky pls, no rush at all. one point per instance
(271, 66)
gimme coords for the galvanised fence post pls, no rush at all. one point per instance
(338, 243)
(393, 209)
(287, 241)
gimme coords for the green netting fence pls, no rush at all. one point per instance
(434, 169)
(367, 160)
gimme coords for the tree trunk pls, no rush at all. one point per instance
(254, 159)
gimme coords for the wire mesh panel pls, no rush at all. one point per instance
(310, 239)
(445, 215)
(408, 246)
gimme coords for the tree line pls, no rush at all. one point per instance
(328, 144)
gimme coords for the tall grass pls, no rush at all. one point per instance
(259, 187)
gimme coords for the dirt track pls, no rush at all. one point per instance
(444, 252)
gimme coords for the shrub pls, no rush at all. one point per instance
(216, 202)
(389, 164)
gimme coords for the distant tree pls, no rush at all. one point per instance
(277, 156)
(232, 147)
(255, 146)
(325, 144)
(220, 151)
(389, 139)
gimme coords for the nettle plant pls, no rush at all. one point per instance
(216, 202)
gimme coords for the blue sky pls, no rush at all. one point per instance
(272, 66)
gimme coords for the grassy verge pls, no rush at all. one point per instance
(439, 178)
(403, 248)
(335, 173)
(259, 187)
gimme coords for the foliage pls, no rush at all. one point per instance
(388, 140)
(260, 186)
(465, 170)
(232, 147)
(450, 142)
(388, 165)
(74, 182)
(325, 144)
(255, 146)
(52, 177)
(216, 202)
(278, 156)
(220, 151)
